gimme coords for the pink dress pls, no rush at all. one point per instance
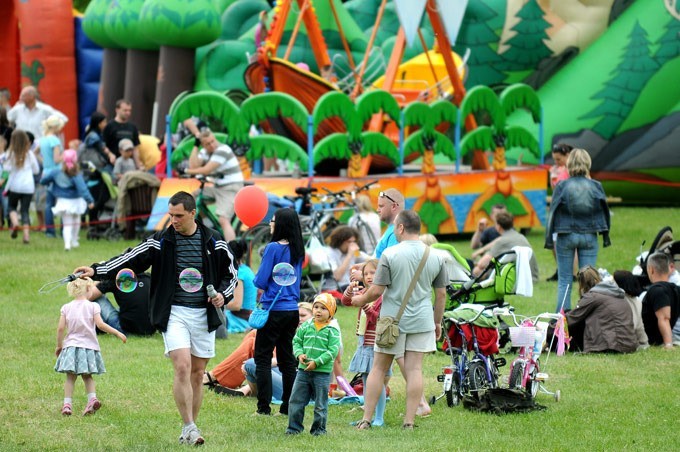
(80, 353)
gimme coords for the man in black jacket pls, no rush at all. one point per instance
(185, 258)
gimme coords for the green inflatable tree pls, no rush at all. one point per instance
(122, 26)
(669, 42)
(475, 34)
(622, 91)
(528, 47)
(112, 81)
(179, 27)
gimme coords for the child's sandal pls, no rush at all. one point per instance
(66, 410)
(363, 425)
(408, 426)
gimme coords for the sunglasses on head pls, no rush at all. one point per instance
(382, 194)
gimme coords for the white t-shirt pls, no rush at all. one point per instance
(21, 180)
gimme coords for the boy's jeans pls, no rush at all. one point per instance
(308, 386)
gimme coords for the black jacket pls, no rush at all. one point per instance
(158, 251)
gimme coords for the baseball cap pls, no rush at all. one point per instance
(125, 144)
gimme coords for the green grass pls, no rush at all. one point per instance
(608, 401)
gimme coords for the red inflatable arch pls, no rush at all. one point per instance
(38, 49)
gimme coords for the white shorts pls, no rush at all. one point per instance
(224, 198)
(188, 328)
(410, 342)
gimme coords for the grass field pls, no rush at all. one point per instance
(609, 402)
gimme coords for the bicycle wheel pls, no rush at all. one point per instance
(453, 394)
(476, 376)
(532, 384)
(516, 375)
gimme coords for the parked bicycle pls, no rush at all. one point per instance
(529, 335)
(206, 213)
(470, 370)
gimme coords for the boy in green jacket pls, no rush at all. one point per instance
(315, 345)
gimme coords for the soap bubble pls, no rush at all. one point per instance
(190, 280)
(284, 274)
(126, 280)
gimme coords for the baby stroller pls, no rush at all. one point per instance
(104, 192)
(663, 242)
(490, 287)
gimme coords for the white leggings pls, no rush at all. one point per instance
(71, 223)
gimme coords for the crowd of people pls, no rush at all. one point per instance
(63, 180)
(296, 356)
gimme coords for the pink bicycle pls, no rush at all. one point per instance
(529, 335)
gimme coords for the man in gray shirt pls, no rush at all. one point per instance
(509, 238)
(419, 327)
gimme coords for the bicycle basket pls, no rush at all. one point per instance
(522, 336)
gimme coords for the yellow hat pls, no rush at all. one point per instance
(328, 301)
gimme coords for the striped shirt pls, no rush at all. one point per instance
(229, 170)
(189, 271)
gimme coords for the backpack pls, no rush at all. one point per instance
(91, 154)
(502, 401)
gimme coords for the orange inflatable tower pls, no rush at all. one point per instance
(38, 49)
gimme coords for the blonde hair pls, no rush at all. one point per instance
(428, 239)
(578, 163)
(588, 277)
(78, 287)
(371, 262)
(52, 125)
(364, 204)
(307, 306)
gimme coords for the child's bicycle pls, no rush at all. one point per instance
(470, 370)
(529, 334)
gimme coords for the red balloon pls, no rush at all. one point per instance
(250, 205)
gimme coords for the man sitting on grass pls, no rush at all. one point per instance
(661, 305)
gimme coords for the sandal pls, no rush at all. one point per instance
(219, 389)
(363, 425)
(408, 426)
(211, 382)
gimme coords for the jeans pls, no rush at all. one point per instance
(277, 382)
(109, 313)
(586, 248)
(308, 386)
(277, 332)
(50, 200)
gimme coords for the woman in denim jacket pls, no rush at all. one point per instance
(578, 212)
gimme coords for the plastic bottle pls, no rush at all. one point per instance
(538, 342)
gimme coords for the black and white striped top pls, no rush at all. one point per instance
(189, 256)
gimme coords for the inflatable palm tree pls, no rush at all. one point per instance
(113, 63)
(179, 27)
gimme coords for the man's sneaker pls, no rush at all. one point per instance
(66, 410)
(93, 405)
(193, 437)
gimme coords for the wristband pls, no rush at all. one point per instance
(197, 142)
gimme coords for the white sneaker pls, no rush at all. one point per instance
(193, 438)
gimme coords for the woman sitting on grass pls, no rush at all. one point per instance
(602, 320)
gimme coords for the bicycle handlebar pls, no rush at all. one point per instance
(508, 311)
